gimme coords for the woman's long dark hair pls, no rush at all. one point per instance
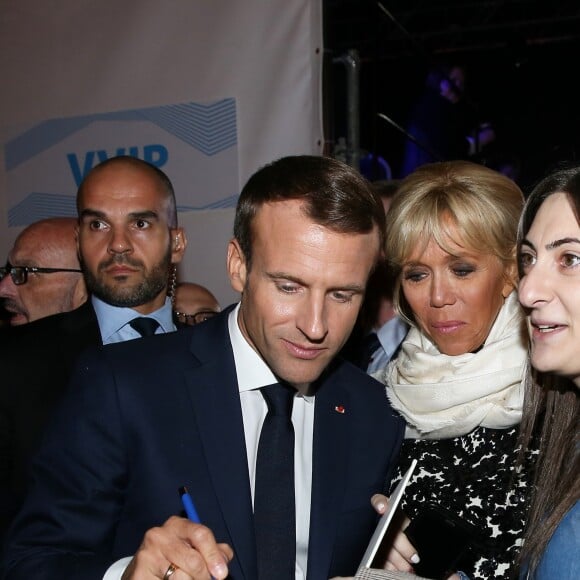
(550, 414)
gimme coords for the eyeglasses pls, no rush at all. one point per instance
(196, 318)
(19, 274)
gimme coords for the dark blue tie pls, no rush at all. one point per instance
(274, 503)
(144, 326)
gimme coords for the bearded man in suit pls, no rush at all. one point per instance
(128, 243)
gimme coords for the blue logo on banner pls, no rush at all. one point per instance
(194, 143)
(155, 154)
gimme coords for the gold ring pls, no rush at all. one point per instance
(170, 571)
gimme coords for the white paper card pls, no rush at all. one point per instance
(386, 518)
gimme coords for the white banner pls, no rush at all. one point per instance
(209, 91)
(196, 144)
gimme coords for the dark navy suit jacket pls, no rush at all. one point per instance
(143, 418)
(36, 361)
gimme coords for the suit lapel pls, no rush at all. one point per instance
(213, 389)
(332, 425)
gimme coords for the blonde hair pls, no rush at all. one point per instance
(484, 207)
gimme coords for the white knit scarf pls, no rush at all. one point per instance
(443, 396)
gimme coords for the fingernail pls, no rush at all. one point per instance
(220, 570)
(381, 506)
(415, 559)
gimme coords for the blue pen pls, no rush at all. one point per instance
(188, 505)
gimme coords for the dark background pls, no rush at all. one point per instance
(522, 61)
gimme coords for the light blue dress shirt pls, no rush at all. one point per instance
(114, 320)
(390, 335)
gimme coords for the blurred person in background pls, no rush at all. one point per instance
(42, 275)
(193, 303)
(379, 330)
(444, 121)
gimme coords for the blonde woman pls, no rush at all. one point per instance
(457, 381)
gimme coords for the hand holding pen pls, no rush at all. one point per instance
(183, 545)
(189, 508)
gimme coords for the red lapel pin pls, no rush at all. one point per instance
(339, 409)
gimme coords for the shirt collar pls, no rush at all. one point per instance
(392, 332)
(251, 369)
(112, 318)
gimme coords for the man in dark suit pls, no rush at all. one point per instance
(145, 417)
(129, 243)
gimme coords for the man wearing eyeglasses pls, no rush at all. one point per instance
(129, 244)
(193, 303)
(43, 275)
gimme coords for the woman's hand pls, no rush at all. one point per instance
(396, 551)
